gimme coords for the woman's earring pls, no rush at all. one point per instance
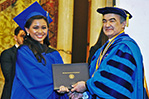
(27, 34)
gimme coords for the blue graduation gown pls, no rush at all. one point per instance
(32, 79)
(120, 74)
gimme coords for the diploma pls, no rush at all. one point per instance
(68, 74)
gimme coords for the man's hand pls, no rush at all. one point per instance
(79, 87)
(75, 95)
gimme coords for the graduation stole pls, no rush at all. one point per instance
(145, 86)
(103, 52)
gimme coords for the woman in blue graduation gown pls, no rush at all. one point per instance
(33, 75)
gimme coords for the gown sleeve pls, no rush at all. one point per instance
(34, 76)
(115, 77)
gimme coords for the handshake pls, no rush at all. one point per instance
(77, 91)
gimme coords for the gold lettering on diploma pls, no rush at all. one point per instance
(71, 74)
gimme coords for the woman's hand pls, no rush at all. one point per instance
(63, 89)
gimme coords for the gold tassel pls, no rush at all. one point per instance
(127, 20)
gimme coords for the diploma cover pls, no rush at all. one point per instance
(68, 74)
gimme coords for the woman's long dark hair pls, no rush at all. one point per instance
(100, 42)
(34, 45)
